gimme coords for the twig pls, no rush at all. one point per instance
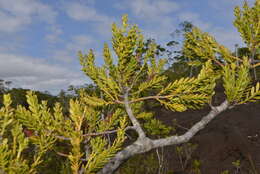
(66, 155)
(107, 132)
(95, 134)
(180, 126)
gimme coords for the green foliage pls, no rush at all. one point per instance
(50, 127)
(190, 92)
(196, 165)
(247, 22)
(18, 96)
(184, 153)
(100, 154)
(147, 163)
(200, 47)
(133, 65)
(238, 88)
(13, 143)
(142, 73)
(156, 127)
(225, 172)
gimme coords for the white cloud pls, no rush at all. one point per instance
(11, 43)
(87, 13)
(83, 12)
(149, 9)
(156, 17)
(80, 12)
(54, 35)
(224, 8)
(80, 42)
(12, 23)
(223, 4)
(16, 14)
(226, 37)
(160, 31)
(28, 72)
(159, 18)
(77, 43)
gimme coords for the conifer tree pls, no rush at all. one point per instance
(126, 82)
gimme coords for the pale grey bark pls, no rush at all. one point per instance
(135, 122)
(145, 144)
(172, 140)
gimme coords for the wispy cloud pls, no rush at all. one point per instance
(149, 9)
(155, 16)
(17, 14)
(227, 37)
(87, 13)
(54, 34)
(75, 44)
(82, 12)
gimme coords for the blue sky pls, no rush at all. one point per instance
(39, 39)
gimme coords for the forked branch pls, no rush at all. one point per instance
(146, 144)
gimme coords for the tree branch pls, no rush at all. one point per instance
(135, 122)
(151, 97)
(107, 132)
(96, 134)
(194, 129)
(67, 155)
(146, 144)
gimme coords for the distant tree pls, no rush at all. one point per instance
(4, 85)
(179, 64)
(243, 51)
(18, 96)
(174, 50)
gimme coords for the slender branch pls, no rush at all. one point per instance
(62, 154)
(135, 122)
(118, 102)
(180, 126)
(194, 129)
(66, 155)
(238, 59)
(96, 134)
(156, 97)
(255, 65)
(151, 97)
(218, 62)
(62, 137)
(107, 132)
